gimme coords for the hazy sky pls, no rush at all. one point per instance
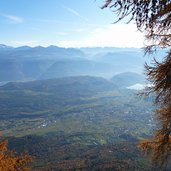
(67, 23)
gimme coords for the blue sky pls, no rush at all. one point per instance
(67, 23)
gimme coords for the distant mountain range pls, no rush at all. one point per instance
(34, 63)
(5, 47)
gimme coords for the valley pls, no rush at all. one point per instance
(72, 118)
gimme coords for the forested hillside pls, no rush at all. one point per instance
(90, 118)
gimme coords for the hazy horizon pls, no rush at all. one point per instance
(51, 45)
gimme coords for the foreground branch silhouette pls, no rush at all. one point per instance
(153, 17)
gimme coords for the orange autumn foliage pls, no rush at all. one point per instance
(9, 161)
(160, 145)
(153, 18)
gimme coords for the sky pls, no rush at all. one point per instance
(64, 23)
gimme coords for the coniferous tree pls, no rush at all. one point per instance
(153, 17)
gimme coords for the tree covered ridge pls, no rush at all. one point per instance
(153, 17)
